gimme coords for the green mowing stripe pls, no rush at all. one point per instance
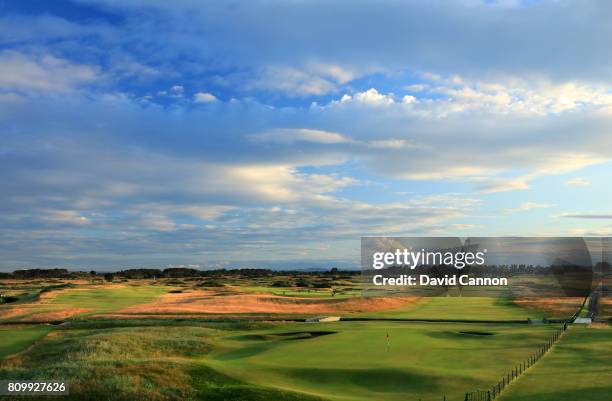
(579, 368)
(17, 339)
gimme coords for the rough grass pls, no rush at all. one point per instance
(551, 307)
(146, 363)
(115, 364)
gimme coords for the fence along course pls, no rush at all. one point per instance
(495, 391)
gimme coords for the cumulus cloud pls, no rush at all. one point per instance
(204, 97)
(446, 96)
(319, 134)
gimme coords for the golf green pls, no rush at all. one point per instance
(377, 360)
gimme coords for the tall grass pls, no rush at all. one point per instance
(133, 363)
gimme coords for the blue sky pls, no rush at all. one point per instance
(277, 133)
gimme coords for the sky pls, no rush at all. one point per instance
(269, 133)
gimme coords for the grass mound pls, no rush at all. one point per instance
(130, 363)
(293, 335)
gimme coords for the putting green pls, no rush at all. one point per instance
(354, 362)
(17, 339)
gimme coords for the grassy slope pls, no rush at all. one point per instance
(97, 299)
(473, 308)
(424, 360)
(189, 363)
(17, 339)
(107, 299)
(578, 369)
(152, 364)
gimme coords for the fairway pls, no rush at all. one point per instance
(458, 308)
(17, 339)
(352, 362)
(578, 368)
(108, 299)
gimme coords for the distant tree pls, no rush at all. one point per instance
(109, 277)
(140, 273)
(92, 273)
(179, 272)
(40, 273)
(301, 283)
(334, 270)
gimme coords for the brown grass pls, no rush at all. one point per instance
(32, 313)
(54, 315)
(554, 306)
(201, 301)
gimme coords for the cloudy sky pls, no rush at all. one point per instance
(276, 133)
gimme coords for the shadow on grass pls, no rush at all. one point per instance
(211, 385)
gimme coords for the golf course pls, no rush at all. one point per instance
(177, 339)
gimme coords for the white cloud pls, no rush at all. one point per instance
(502, 185)
(370, 97)
(70, 217)
(446, 96)
(416, 87)
(337, 73)
(157, 222)
(392, 143)
(521, 96)
(204, 97)
(525, 206)
(25, 72)
(577, 182)
(294, 82)
(291, 135)
(593, 216)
